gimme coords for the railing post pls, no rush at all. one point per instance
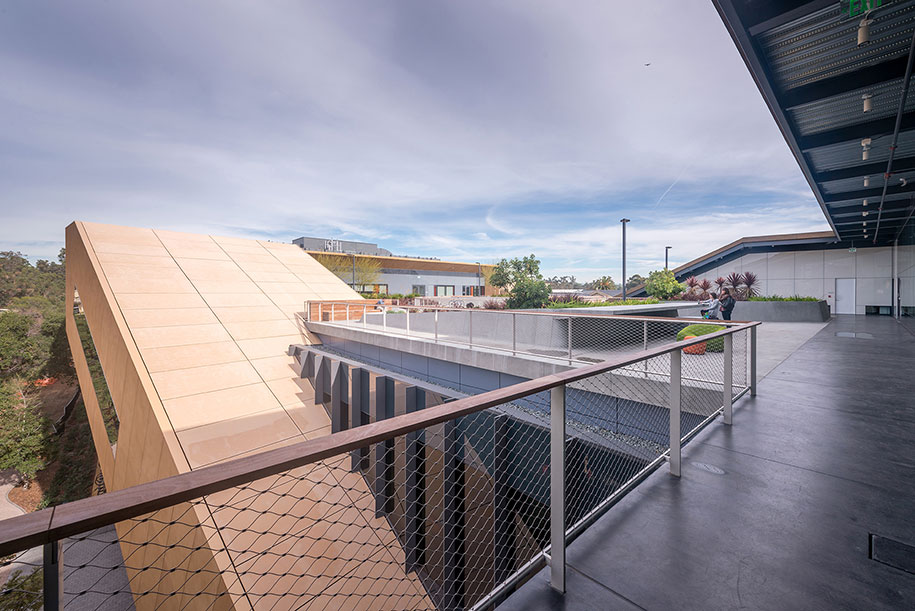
(470, 335)
(557, 488)
(728, 391)
(645, 344)
(384, 317)
(514, 334)
(321, 311)
(408, 322)
(53, 573)
(753, 361)
(365, 317)
(675, 361)
(347, 312)
(436, 326)
(570, 339)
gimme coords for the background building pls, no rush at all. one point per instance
(370, 269)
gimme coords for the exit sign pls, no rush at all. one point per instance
(859, 7)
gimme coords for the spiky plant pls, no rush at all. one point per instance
(750, 281)
(720, 282)
(735, 282)
(705, 285)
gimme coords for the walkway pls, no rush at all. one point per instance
(775, 512)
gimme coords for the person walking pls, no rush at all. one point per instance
(727, 302)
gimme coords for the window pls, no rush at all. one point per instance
(444, 290)
(473, 291)
(374, 289)
(419, 289)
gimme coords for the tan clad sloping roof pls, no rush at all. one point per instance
(212, 318)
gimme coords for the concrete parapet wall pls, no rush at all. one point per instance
(782, 311)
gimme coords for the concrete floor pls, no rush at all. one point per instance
(815, 464)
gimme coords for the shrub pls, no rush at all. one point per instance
(780, 298)
(662, 284)
(494, 304)
(715, 345)
(565, 299)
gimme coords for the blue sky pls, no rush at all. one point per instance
(464, 130)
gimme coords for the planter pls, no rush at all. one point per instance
(781, 311)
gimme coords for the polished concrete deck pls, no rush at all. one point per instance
(818, 461)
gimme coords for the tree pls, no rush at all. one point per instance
(20, 349)
(521, 278)
(662, 284)
(22, 430)
(368, 270)
(340, 266)
(634, 281)
(604, 283)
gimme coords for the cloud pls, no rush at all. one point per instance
(466, 130)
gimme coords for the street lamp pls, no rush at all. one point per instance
(666, 248)
(624, 221)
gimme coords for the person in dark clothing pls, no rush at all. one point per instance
(727, 303)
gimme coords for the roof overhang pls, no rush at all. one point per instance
(814, 77)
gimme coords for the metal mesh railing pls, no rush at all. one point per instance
(566, 336)
(444, 513)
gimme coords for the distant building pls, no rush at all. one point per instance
(426, 277)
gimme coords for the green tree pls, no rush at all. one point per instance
(521, 278)
(663, 284)
(634, 281)
(20, 349)
(604, 283)
(22, 430)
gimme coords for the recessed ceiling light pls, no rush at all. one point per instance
(865, 148)
(867, 181)
(864, 213)
(865, 203)
(868, 102)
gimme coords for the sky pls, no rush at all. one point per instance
(465, 130)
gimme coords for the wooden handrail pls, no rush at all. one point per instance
(33, 529)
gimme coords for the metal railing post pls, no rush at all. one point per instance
(347, 312)
(384, 317)
(557, 488)
(514, 334)
(470, 337)
(53, 573)
(645, 344)
(675, 362)
(753, 361)
(728, 391)
(321, 312)
(408, 321)
(365, 317)
(570, 339)
(307, 316)
(436, 325)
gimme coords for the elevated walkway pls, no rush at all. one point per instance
(776, 512)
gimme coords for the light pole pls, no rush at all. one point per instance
(666, 248)
(480, 277)
(624, 221)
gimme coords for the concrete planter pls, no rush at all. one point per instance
(781, 311)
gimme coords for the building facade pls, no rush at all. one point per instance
(406, 275)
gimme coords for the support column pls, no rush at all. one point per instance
(384, 450)
(453, 524)
(415, 484)
(360, 401)
(503, 517)
(339, 397)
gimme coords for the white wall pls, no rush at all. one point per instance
(813, 273)
(403, 283)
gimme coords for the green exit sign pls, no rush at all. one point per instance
(859, 7)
